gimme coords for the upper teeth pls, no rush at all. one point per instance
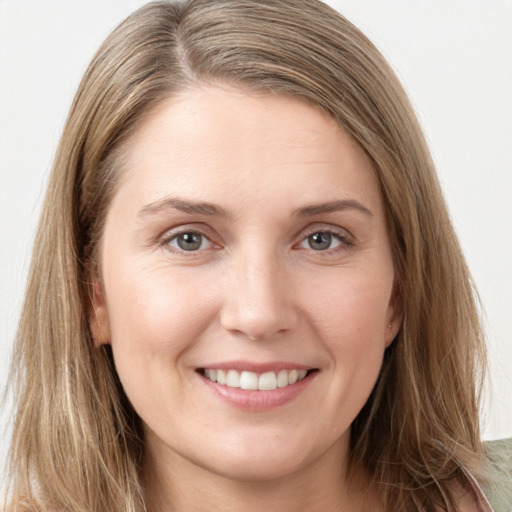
(250, 380)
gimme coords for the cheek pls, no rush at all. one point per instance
(351, 306)
(156, 317)
(156, 312)
(349, 314)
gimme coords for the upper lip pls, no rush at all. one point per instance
(256, 367)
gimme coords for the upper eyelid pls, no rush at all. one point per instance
(171, 233)
(324, 228)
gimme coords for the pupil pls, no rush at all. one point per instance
(189, 241)
(320, 241)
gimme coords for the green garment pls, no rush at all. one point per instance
(499, 492)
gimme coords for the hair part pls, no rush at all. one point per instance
(77, 442)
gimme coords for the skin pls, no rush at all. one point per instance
(256, 290)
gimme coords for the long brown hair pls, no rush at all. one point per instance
(77, 442)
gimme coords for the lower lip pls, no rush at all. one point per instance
(255, 400)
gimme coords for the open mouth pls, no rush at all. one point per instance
(266, 381)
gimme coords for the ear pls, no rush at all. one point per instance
(97, 310)
(394, 315)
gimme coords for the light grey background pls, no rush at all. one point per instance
(454, 57)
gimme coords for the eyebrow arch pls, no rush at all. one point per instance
(181, 205)
(333, 206)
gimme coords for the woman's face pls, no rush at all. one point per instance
(246, 244)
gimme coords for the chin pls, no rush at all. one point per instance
(264, 459)
(258, 470)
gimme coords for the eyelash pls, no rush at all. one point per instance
(345, 241)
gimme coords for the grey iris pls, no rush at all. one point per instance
(320, 241)
(189, 241)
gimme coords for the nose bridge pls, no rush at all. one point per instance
(257, 302)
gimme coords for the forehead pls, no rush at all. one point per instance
(215, 141)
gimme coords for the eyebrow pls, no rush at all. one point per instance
(205, 208)
(191, 207)
(333, 206)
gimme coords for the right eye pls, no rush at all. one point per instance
(189, 241)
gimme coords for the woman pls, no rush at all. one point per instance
(247, 293)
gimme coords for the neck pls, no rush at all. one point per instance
(174, 484)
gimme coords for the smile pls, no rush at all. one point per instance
(267, 381)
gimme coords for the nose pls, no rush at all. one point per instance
(258, 298)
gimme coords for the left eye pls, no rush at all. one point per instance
(190, 241)
(321, 241)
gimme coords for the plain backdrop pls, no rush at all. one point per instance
(453, 56)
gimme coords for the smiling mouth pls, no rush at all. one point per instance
(267, 381)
